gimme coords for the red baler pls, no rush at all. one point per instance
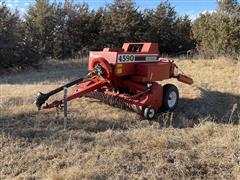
(126, 77)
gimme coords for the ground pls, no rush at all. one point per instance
(200, 140)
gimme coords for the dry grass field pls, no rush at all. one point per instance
(200, 140)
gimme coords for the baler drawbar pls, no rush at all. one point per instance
(126, 77)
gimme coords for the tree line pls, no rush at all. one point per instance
(61, 30)
(219, 32)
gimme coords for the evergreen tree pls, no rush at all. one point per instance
(41, 26)
(15, 49)
(78, 27)
(172, 33)
(228, 6)
(58, 32)
(183, 34)
(121, 22)
(219, 32)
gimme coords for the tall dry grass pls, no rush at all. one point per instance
(200, 140)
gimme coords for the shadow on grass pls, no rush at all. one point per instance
(211, 106)
(48, 125)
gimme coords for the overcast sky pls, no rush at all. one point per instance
(189, 7)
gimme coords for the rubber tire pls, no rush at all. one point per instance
(148, 112)
(167, 89)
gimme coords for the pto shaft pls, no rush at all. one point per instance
(41, 97)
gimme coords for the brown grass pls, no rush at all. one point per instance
(200, 140)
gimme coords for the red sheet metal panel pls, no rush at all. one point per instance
(152, 72)
(125, 69)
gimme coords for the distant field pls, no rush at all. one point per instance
(201, 139)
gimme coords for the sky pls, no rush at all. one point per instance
(190, 7)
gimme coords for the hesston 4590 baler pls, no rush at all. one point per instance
(126, 77)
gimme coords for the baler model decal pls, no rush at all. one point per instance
(129, 58)
(123, 58)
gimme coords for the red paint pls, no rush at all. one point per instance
(132, 71)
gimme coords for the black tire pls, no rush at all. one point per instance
(149, 112)
(170, 91)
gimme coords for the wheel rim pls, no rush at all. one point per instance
(151, 113)
(172, 99)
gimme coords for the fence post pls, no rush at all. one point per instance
(65, 108)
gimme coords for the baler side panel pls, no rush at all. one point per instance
(125, 69)
(152, 72)
(154, 98)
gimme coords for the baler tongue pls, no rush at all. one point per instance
(42, 97)
(97, 78)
